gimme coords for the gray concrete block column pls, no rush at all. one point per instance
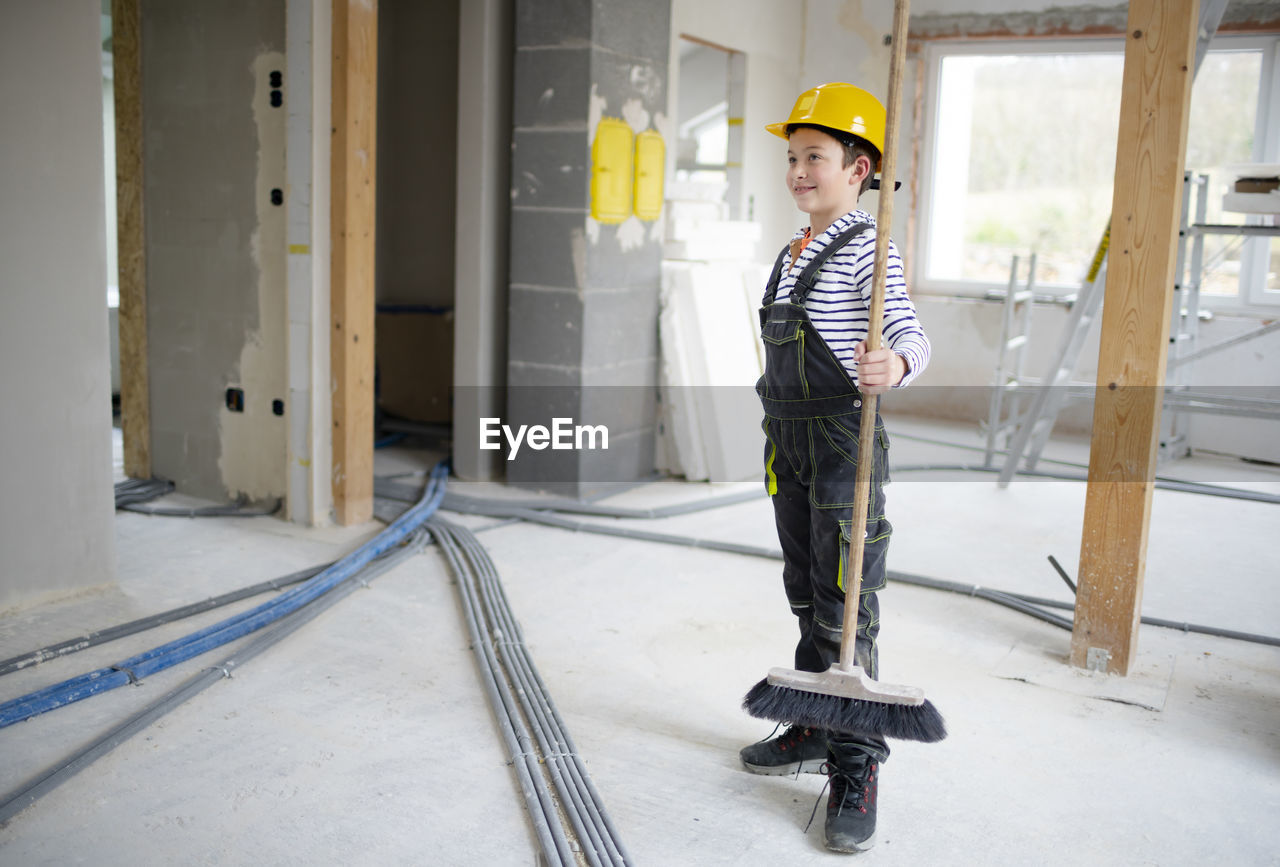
(583, 304)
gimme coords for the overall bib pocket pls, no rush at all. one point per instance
(784, 336)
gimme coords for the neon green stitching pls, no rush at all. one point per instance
(804, 382)
(772, 484)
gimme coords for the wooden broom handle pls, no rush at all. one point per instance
(867, 428)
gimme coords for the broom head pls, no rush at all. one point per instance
(847, 701)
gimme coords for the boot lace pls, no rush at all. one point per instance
(793, 735)
(849, 789)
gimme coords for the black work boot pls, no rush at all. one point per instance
(851, 809)
(797, 750)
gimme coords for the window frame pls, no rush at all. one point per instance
(1252, 297)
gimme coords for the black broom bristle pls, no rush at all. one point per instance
(920, 722)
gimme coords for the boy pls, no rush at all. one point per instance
(817, 367)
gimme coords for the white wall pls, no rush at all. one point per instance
(1250, 370)
(56, 520)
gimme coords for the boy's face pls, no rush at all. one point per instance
(823, 187)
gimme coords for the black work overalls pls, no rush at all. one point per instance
(812, 410)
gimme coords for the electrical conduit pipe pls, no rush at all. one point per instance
(167, 655)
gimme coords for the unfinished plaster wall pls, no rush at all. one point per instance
(214, 148)
(56, 524)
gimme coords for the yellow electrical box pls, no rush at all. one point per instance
(611, 171)
(651, 154)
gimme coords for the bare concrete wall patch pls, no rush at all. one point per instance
(252, 462)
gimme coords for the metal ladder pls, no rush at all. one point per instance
(1031, 435)
(1184, 330)
(1007, 394)
(1051, 395)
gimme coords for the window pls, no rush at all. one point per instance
(1020, 157)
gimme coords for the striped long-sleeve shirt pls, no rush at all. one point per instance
(840, 301)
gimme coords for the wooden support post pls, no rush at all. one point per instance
(135, 388)
(353, 172)
(1159, 67)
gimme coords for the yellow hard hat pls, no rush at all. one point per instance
(838, 106)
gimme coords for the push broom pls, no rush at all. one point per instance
(844, 698)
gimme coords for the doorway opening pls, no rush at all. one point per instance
(710, 106)
(416, 216)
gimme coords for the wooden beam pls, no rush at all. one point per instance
(352, 196)
(135, 387)
(707, 43)
(1158, 70)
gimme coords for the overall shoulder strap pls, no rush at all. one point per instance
(771, 289)
(804, 283)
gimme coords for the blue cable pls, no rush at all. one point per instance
(218, 634)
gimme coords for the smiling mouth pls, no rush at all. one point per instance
(801, 190)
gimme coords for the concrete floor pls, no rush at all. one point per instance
(365, 738)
